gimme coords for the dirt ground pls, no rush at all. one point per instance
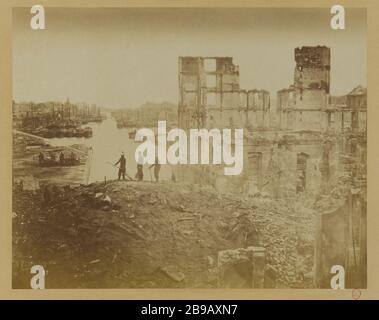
(152, 235)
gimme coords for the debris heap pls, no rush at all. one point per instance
(142, 234)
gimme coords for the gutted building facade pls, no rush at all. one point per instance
(315, 149)
(210, 96)
(316, 138)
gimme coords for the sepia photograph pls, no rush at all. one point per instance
(189, 148)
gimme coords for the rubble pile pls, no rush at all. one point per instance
(142, 234)
(286, 230)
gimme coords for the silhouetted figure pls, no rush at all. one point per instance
(61, 158)
(41, 158)
(122, 168)
(157, 168)
(140, 167)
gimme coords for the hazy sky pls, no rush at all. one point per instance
(124, 57)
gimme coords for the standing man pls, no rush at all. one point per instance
(41, 158)
(140, 167)
(61, 158)
(122, 168)
(157, 168)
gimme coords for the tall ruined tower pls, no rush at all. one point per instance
(312, 77)
(303, 106)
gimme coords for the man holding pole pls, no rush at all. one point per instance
(122, 168)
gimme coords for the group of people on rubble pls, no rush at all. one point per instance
(139, 175)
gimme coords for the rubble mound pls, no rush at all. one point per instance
(152, 235)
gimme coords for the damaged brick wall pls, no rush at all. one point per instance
(278, 175)
(341, 240)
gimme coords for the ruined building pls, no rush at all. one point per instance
(307, 103)
(355, 110)
(318, 134)
(210, 96)
(316, 150)
(304, 105)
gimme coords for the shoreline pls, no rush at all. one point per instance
(26, 166)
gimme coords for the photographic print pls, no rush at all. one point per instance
(189, 148)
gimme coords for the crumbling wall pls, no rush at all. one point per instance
(308, 120)
(210, 96)
(242, 268)
(362, 120)
(310, 99)
(341, 240)
(207, 86)
(309, 94)
(334, 122)
(285, 99)
(254, 171)
(278, 172)
(312, 77)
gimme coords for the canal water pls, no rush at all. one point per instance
(108, 142)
